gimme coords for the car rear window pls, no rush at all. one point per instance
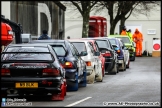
(102, 43)
(113, 41)
(80, 46)
(125, 39)
(27, 53)
(59, 49)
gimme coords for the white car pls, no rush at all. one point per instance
(93, 63)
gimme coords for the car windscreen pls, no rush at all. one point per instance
(102, 43)
(27, 54)
(126, 40)
(59, 49)
(80, 46)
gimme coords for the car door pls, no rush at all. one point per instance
(81, 62)
(124, 51)
(96, 58)
(77, 59)
(113, 51)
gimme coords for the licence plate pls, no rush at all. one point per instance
(26, 85)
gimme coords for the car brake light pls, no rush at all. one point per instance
(107, 54)
(51, 71)
(68, 65)
(88, 63)
(5, 72)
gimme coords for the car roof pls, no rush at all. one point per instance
(78, 40)
(28, 44)
(50, 41)
(97, 38)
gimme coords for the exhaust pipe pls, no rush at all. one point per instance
(12, 91)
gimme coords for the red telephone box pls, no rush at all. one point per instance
(103, 26)
(95, 28)
(6, 34)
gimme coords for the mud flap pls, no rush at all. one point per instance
(74, 85)
(65, 87)
(91, 78)
(84, 82)
(60, 96)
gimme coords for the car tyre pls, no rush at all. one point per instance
(128, 63)
(115, 69)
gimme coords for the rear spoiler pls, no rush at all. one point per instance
(25, 61)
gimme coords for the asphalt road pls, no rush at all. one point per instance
(138, 85)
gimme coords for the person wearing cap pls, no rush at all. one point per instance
(130, 34)
(138, 39)
(124, 31)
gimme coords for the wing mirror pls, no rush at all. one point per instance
(97, 53)
(115, 46)
(83, 53)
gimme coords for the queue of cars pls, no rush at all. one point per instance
(53, 67)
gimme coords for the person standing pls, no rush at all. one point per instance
(130, 34)
(124, 31)
(138, 39)
(44, 36)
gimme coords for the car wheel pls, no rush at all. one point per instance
(128, 63)
(133, 57)
(91, 78)
(59, 96)
(115, 69)
(125, 66)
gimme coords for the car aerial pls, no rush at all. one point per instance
(32, 70)
(74, 65)
(96, 48)
(107, 50)
(129, 44)
(94, 64)
(122, 54)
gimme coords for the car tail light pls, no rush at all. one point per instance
(118, 51)
(107, 54)
(68, 65)
(88, 63)
(51, 71)
(5, 72)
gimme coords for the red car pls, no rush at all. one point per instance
(95, 46)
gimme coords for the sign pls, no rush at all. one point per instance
(156, 45)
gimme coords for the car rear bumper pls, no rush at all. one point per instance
(50, 84)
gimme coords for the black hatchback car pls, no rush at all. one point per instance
(74, 65)
(107, 50)
(32, 69)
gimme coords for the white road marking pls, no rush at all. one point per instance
(78, 102)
